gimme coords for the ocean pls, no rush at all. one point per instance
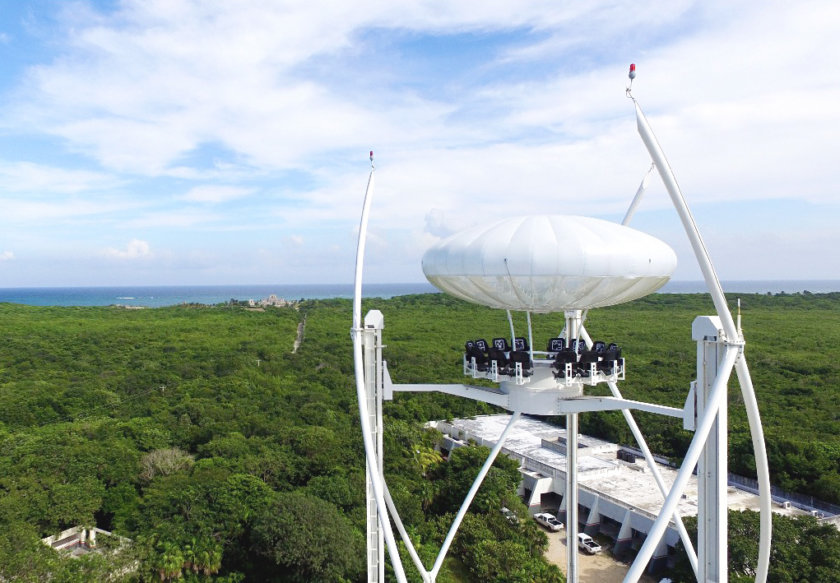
(159, 296)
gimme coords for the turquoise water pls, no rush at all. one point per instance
(157, 296)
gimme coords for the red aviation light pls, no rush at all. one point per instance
(632, 71)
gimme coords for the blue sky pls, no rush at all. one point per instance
(193, 142)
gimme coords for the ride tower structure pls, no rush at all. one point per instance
(569, 265)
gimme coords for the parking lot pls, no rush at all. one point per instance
(600, 568)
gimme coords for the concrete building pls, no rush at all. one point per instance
(80, 540)
(618, 496)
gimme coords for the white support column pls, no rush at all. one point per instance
(372, 353)
(624, 540)
(593, 521)
(571, 498)
(561, 510)
(712, 465)
(573, 326)
(659, 561)
(482, 473)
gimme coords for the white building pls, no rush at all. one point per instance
(618, 496)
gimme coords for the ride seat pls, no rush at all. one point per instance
(501, 344)
(556, 345)
(473, 351)
(587, 359)
(563, 357)
(524, 358)
(501, 359)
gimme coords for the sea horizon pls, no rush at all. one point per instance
(169, 295)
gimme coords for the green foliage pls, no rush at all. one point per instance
(454, 478)
(803, 551)
(309, 539)
(791, 347)
(91, 397)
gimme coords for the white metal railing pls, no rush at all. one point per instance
(569, 378)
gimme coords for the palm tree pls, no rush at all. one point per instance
(168, 561)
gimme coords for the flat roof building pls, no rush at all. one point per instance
(618, 495)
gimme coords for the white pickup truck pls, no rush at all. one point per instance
(548, 520)
(587, 544)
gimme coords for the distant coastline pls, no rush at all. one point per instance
(789, 286)
(160, 296)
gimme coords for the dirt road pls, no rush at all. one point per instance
(600, 568)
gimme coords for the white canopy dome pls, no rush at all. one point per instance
(549, 263)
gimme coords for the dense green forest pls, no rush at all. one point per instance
(793, 349)
(197, 431)
(803, 550)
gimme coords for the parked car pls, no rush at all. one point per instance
(587, 544)
(510, 515)
(548, 520)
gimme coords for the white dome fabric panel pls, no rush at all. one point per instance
(549, 263)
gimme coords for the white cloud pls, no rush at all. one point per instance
(135, 249)
(223, 100)
(28, 177)
(7, 256)
(147, 85)
(215, 194)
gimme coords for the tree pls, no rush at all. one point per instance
(310, 539)
(455, 477)
(164, 462)
(803, 550)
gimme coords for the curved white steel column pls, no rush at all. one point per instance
(395, 516)
(731, 331)
(761, 465)
(370, 450)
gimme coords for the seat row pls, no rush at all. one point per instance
(568, 361)
(576, 360)
(501, 356)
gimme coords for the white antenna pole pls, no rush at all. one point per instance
(703, 259)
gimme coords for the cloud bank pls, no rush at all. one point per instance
(219, 129)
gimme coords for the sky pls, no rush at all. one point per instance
(181, 142)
